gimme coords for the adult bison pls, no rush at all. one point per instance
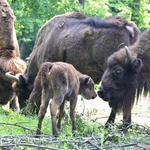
(127, 70)
(79, 40)
(9, 53)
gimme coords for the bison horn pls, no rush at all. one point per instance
(12, 77)
(131, 30)
(128, 55)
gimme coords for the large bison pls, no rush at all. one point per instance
(59, 81)
(9, 53)
(128, 71)
(79, 40)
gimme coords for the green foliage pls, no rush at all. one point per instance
(135, 10)
(97, 8)
(31, 15)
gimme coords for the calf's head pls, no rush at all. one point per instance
(87, 87)
(120, 80)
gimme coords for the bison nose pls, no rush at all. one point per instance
(101, 92)
(94, 96)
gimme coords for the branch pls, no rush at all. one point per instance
(121, 146)
(18, 125)
(30, 145)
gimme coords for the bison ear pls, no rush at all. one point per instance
(22, 79)
(87, 80)
(136, 64)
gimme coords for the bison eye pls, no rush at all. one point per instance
(118, 72)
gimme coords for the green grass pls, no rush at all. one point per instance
(12, 123)
(90, 134)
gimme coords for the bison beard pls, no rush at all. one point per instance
(59, 81)
(83, 42)
(127, 70)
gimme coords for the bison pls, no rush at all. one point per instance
(128, 71)
(9, 53)
(79, 40)
(59, 81)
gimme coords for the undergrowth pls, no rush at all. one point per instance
(90, 134)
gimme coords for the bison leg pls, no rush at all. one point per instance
(14, 104)
(127, 117)
(35, 97)
(43, 109)
(111, 118)
(54, 105)
(73, 102)
(61, 114)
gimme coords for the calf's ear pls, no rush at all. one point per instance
(136, 64)
(87, 80)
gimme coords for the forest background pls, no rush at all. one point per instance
(31, 15)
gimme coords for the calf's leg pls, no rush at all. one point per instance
(61, 114)
(73, 102)
(54, 105)
(43, 109)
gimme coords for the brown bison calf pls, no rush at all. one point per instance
(59, 81)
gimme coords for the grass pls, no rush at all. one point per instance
(20, 129)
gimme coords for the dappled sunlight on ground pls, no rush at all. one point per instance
(99, 110)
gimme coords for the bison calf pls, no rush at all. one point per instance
(59, 81)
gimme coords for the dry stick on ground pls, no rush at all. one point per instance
(29, 145)
(59, 141)
(81, 141)
(93, 144)
(121, 146)
(18, 125)
(126, 145)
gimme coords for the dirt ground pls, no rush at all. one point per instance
(100, 110)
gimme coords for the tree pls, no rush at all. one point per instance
(135, 10)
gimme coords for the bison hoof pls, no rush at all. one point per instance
(56, 135)
(74, 132)
(108, 124)
(38, 132)
(125, 127)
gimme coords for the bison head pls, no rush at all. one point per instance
(21, 87)
(87, 87)
(120, 80)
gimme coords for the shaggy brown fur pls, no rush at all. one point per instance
(9, 52)
(126, 73)
(83, 42)
(59, 81)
